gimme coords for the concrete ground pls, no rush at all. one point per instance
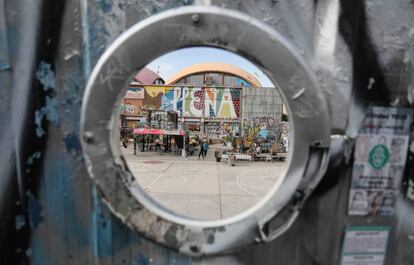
(202, 189)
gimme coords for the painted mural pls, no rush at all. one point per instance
(208, 102)
(260, 127)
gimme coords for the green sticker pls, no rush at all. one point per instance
(378, 156)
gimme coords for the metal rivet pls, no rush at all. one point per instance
(298, 195)
(88, 137)
(195, 18)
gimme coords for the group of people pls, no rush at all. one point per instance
(191, 146)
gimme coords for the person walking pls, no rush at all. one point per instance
(201, 151)
(135, 144)
(205, 148)
(142, 142)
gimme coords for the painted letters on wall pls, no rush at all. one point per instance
(202, 101)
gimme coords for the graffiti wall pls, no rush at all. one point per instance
(212, 128)
(260, 126)
(202, 101)
(138, 101)
(261, 113)
(131, 107)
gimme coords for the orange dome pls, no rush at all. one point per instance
(214, 68)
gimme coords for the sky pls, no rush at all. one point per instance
(169, 64)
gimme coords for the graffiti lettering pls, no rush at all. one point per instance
(114, 70)
(207, 102)
(212, 127)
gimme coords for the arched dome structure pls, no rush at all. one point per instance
(214, 67)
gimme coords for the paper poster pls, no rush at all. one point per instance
(379, 161)
(364, 245)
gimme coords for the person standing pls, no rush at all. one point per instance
(201, 150)
(205, 148)
(135, 144)
(186, 145)
(142, 142)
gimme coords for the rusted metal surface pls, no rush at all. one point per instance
(53, 213)
(238, 33)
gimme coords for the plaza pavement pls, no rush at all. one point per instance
(202, 189)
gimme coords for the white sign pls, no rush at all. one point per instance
(364, 245)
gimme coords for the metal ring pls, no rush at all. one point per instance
(236, 32)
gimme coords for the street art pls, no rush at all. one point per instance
(145, 108)
(199, 101)
(263, 127)
(212, 127)
(129, 108)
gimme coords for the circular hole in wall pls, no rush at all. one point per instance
(204, 132)
(103, 126)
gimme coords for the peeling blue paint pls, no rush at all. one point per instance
(4, 66)
(50, 112)
(35, 211)
(141, 260)
(33, 157)
(19, 221)
(102, 227)
(105, 5)
(72, 143)
(73, 98)
(76, 230)
(46, 76)
(98, 38)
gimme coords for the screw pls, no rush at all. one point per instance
(196, 19)
(88, 137)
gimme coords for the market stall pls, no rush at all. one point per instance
(159, 139)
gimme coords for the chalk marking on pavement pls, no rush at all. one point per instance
(243, 186)
(239, 184)
(157, 178)
(176, 183)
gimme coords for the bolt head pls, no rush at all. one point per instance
(88, 137)
(195, 18)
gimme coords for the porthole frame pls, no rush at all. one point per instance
(236, 32)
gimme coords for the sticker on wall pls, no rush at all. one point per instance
(364, 245)
(379, 161)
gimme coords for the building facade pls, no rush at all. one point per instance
(212, 100)
(137, 101)
(221, 100)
